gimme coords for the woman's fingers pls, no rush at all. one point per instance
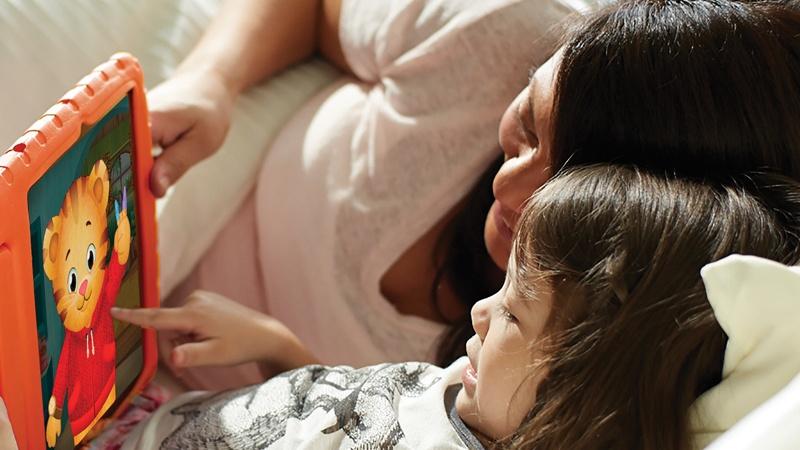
(176, 319)
(173, 163)
(187, 136)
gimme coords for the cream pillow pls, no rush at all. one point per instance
(757, 303)
(775, 425)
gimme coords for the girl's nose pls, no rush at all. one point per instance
(480, 317)
(82, 289)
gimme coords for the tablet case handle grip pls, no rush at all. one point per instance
(6, 279)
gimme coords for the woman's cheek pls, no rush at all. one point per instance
(499, 248)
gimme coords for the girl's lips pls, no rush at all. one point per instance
(470, 379)
(501, 223)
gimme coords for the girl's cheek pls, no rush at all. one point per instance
(503, 342)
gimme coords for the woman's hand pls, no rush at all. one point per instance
(7, 441)
(215, 331)
(248, 41)
(190, 115)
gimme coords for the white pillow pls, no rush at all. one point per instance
(203, 201)
(775, 425)
(757, 303)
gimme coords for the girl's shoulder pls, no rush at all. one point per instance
(383, 406)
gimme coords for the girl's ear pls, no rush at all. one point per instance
(98, 184)
(50, 247)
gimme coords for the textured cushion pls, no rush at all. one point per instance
(48, 45)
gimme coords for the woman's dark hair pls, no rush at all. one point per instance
(632, 340)
(466, 262)
(700, 88)
(704, 88)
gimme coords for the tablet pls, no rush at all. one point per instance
(77, 237)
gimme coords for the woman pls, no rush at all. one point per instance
(337, 231)
(667, 85)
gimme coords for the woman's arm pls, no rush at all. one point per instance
(249, 41)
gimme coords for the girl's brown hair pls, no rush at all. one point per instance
(623, 248)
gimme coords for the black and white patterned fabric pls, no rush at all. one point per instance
(388, 406)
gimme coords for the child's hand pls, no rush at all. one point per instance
(7, 441)
(215, 331)
(190, 115)
(122, 237)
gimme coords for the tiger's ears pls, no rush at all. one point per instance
(50, 247)
(98, 185)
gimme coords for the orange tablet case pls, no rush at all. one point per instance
(22, 366)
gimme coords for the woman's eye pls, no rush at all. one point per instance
(522, 113)
(532, 139)
(72, 280)
(91, 254)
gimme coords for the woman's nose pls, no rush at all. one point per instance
(509, 133)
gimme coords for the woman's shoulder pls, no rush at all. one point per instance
(377, 35)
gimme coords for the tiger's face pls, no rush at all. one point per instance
(75, 248)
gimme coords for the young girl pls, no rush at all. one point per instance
(601, 337)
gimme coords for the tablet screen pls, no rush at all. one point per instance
(85, 254)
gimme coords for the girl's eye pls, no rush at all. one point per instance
(91, 254)
(507, 314)
(72, 280)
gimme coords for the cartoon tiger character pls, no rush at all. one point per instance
(85, 288)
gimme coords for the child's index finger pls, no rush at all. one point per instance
(157, 318)
(132, 316)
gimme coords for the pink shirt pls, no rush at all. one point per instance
(370, 164)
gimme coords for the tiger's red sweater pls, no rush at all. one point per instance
(87, 365)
